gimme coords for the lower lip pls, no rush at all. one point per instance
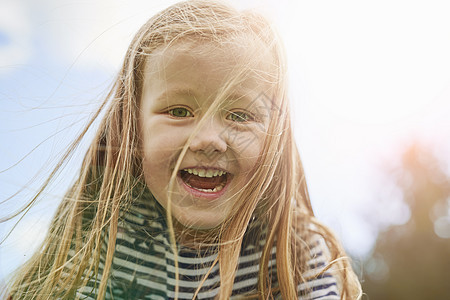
(205, 195)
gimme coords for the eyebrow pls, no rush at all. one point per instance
(176, 92)
(238, 97)
(185, 91)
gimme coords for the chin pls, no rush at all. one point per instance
(199, 221)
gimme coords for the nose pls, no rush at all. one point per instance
(210, 139)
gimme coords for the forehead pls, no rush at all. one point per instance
(246, 62)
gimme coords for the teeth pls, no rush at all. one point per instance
(216, 189)
(205, 173)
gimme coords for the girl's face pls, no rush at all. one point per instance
(180, 84)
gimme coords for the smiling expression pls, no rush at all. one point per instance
(181, 82)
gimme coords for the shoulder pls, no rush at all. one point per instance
(319, 278)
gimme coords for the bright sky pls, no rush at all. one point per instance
(366, 78)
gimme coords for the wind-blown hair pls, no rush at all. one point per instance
(87, 219)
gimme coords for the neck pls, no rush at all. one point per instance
(196, 238)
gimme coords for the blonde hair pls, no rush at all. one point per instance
(111, 170)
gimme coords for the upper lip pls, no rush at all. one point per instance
(203, 167)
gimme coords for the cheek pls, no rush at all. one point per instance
(156, 170)
(248, 146)
(161, 147)
(155, 159)
(159, 153)
(161, 144)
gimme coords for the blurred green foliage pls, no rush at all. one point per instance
(412, 261)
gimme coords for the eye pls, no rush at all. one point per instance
(179, 112)
(239, 116)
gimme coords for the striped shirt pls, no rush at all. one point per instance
(143, 265)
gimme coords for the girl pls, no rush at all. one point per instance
(192, 187)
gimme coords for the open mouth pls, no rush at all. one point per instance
(204, 180)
